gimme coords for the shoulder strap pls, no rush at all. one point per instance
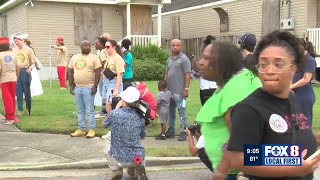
(294, 110)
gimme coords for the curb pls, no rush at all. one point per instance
(99, 164)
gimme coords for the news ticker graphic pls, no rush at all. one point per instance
(272, 155)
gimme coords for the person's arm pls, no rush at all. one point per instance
(108, 120)
(195, 64)
(186, 65)
(309, 69)
(119, 63)
(192, 148)
(302, 82)
(71, 75)
(97, 71)
(58, 48)
(32, 58)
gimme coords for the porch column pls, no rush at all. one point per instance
(128, 21)
(159, 25)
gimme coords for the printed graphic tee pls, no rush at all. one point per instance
(84, 66)
(25, 56)
(8, 65)
(265, 119)
(62, 56)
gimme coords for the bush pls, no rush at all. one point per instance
(150, 52)
(147, 70)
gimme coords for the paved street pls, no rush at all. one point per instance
(186, 172)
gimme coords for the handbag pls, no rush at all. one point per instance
(38, 64)
(109, 74)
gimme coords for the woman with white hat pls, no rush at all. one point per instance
(127, 130)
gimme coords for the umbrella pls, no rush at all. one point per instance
(28, 94)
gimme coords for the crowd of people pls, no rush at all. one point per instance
(250, 95)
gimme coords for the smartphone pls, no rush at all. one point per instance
(317, 153)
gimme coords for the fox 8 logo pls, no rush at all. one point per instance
(282, 150)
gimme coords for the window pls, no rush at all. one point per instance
(87, 24)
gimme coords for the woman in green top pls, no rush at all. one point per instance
(128, 74)
(221, 63)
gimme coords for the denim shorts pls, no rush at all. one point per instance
(107, 89)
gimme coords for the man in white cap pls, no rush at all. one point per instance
(127, 130)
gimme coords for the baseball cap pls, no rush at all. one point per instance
(130, 95)
(249, 39)
(60, 39)
(4, 40)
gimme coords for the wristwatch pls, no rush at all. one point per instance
(187, 89)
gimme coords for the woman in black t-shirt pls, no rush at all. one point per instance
(271, 115)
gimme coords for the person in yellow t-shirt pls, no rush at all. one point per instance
(62, 60)
(112, 84)
(9, 71)
(84, 76)
(26, 61)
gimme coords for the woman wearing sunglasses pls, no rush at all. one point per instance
(271, 114)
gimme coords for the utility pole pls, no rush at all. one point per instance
(270, 16)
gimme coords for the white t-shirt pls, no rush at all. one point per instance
(205, 84)
(200, 143)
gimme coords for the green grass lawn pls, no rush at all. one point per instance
(55, 111)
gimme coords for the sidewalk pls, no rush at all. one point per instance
(38, 151)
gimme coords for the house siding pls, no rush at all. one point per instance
(312, 13)
(204, 21)
(298, 13)
(47, 21)
(17, 20)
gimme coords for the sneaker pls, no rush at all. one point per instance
(9, 122)
(100, 115)
(63, 88)
(161, 137)
(78, 133)
(182, 136)
(169, 134)
(91, 134)
(20, 113)
(117, 174)
(107, 136)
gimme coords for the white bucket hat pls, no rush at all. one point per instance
(130, 95)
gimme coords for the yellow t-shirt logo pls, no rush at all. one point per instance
(21, 58)
(81, 64)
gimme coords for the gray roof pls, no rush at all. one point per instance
(180, 4)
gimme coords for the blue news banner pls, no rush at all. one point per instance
(272, 155)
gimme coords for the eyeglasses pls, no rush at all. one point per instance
(276, 68)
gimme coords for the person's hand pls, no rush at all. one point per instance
(119, 105)
(187, 132)
(94, 90)
(185, 93)
(197, 74)
(72, 90)
(308, 166)
(115, 93)
(28, 70)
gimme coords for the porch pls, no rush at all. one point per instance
(314, 38)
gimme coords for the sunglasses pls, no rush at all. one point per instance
(108, 47)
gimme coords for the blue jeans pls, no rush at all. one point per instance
(177, 101)
(23, 87)
(85, 104)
